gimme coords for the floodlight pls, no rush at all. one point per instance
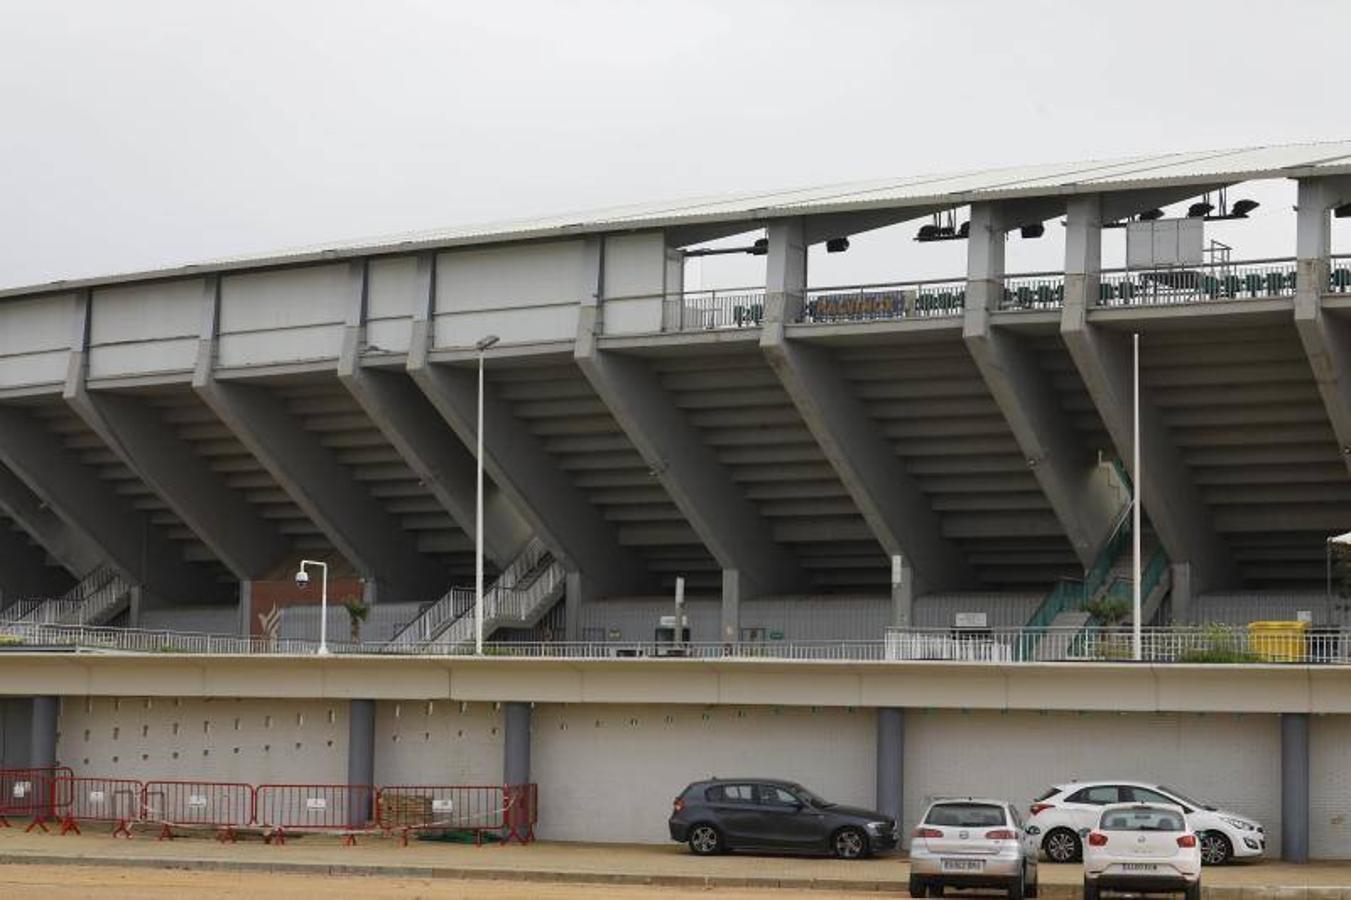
(1343, 211)
(760, 247)
(1150, 215)
(1034, 230)
(837, 245)
(1200, 210)
(1241, 208)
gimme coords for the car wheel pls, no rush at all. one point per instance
(917, 887)
(1215, 849)
(1090, 890)
(705, 840)
(849, 843)
(1062, 845)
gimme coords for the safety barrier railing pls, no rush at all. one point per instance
(885, 301)
(223, 806)
(85, 799)
(713, 309)
(1243, 280)
(1039, 290)
(284, 808)
(29, 793)
(475, 809)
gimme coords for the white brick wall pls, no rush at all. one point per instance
(1230, 760)
(609, 773)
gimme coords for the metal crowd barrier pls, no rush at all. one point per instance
(29, 793)
(115, 800)
(224, 806)
(312, 807)
(478, 809)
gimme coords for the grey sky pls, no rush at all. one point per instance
(141, 134)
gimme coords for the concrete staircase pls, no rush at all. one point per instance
(97, 599)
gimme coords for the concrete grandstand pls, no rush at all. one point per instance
(818, 462)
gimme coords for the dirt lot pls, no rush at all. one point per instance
(61, 882)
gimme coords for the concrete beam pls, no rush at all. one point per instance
(311, 475)
(246, 543)
(1079, 489)
(76, 553)
(1326, 339)
(406, 419)
(1103, 360)
(574, 530)
(124, 536)
(701, 487)
(24, 571)
(897, 513)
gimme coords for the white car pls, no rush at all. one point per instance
(1142, 848)
(1060, 814)
(972, 843)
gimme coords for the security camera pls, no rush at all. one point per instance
(302, 578)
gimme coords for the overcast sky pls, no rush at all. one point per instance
(140, 134)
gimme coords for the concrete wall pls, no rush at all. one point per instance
(284, 316)
(145, 328)
(609, 773)
(1330, 787)
(522, 294)
(392, 294)
(222, 739)
(35, 339)
(635, 283)
(438, 742)
(1232, 761)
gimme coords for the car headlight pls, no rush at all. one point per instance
(877, 827)
(1238, 823)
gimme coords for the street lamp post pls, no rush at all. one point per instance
(482, 346)
(302, 579)
(1135, 511)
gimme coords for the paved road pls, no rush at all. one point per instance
(81, 882)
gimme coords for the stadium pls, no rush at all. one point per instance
(878, 537)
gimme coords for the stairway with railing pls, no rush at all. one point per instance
(524, 591)
(94, 600)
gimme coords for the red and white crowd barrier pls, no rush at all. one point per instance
(276, 809)
(29, 794)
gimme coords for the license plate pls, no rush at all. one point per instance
(1139, 867)
(963, 865)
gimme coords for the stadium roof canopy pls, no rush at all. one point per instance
(951, 189)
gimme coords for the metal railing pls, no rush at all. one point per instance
(505, 606)
(887, 301)
(1339, 275)
(712, 310)
(1217, 644)
(1038, 290)
(1192, 284)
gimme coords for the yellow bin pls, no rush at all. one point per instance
(1280, 642)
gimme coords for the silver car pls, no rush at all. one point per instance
(968, 843)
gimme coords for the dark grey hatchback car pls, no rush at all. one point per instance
(724, 814)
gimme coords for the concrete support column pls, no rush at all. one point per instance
(1295, 787)
(902, 592)
(360, 756)
(1181, 593)
(732, 588)
(516, 743)
(42, 737)
(890, 761)
(245, 607)
(578, 591)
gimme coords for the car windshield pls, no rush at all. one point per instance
(1144, 818)
(1198, 804)
(965, 815)
(808, 797)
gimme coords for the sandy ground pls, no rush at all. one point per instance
(63, 882)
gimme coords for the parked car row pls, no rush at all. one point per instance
(1130, 836)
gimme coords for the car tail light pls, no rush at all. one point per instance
(1039, 807)
(1186, 840)
(928, 833)
(1097, 839)
(1001, 834)
(679, 804)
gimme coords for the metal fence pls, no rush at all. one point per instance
(1204, 643)
(888, 301)
(1041, 290)
(1191, 284)
(715, 309)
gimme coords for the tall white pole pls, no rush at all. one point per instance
(323, 610)
(478, 520)
(1135, 510)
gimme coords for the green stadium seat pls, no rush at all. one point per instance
(1341, 279)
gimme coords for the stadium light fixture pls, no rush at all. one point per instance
(1200, 210)
(1151, 215)
(837, 245)
(1342, 212)
(482, 345)
(1033, 230)
(1242, 208)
